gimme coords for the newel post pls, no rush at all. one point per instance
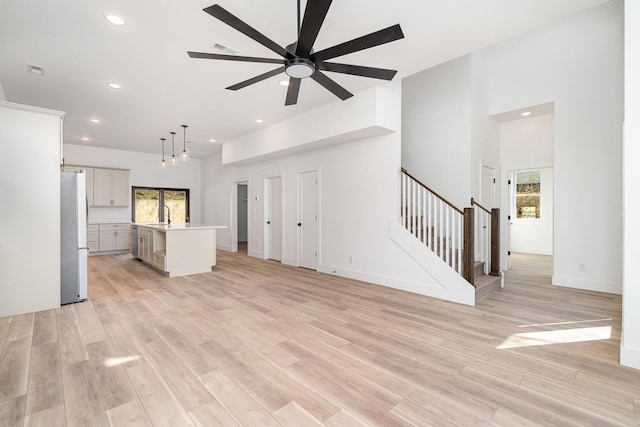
(495, 242)
(468, 252)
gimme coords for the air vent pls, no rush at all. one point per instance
(35, 69)
(225, 49)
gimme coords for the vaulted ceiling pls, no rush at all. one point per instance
(162, 88)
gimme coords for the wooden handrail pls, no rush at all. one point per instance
(473, 202)
(451, 205)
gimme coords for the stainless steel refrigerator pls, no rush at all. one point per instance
(73, 237)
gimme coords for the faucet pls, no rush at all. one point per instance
(169, 214)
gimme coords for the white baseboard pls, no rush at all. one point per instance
(630, 357)
(535, 251)
(289, 261)
(257, 254)
(390, 282)
(588, 285)
(223, 247)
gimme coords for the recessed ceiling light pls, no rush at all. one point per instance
(113, 85)
(84, 138)
(526, 113)
(212, 140)
(259, 120)
(94, 120)
(284, 82)
(114, 19)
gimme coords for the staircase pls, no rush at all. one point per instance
(467, 240)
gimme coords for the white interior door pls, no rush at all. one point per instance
(510, 218)
(274, 218)
(488, 187)
(308, 220)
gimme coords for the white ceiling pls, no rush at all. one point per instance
(162, 88)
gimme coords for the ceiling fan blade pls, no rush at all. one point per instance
(331, 86)
(357, 70)
(234, 57)
(365, 42)
(257, 79)
(292, 92)
(223, 15)
(314, 15)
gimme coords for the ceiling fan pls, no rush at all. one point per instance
(298, 60)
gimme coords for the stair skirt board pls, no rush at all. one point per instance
(447, 285)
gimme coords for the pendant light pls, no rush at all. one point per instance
(173, 148)
(163, 164)
(184, 156)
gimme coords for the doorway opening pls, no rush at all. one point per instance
(240, 229)
(527, 142)
(531, 211)
(243, 217)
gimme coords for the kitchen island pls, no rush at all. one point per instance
(178, 249)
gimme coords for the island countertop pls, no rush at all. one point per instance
(180, 226)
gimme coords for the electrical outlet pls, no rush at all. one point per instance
(582, 267)
(350, 259)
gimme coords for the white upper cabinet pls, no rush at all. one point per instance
(110, 187)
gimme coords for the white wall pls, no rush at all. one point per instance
(576, 63)
(30, 211)
(144, 172)
(527, 143)
(485, 144)
(630, 346)
(436, 129)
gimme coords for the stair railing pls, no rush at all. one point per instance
(439, 224)
(487, 236)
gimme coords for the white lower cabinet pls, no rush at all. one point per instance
(113, 237)
(93, 238)
(151, 248)
(145, 245)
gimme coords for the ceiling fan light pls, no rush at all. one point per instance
(300, 68)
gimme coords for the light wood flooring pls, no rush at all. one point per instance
(256, 343)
